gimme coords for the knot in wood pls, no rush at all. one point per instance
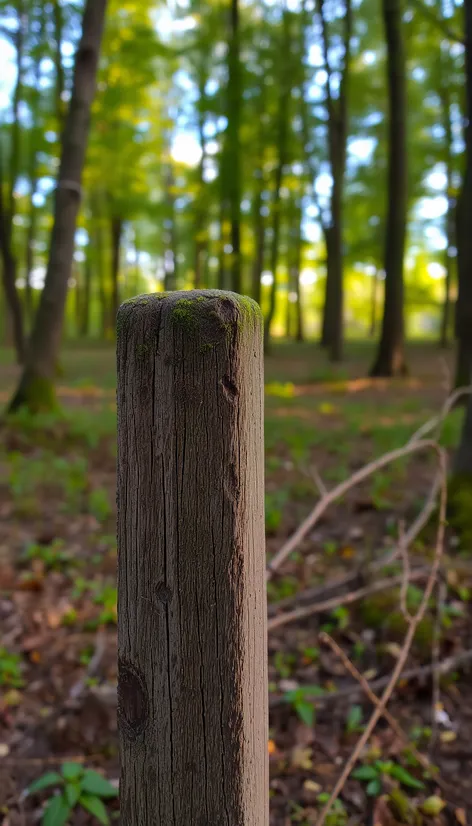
(133, 704)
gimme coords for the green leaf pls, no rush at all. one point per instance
(354, 718)
(401, 774)
(71, 771)
(95, 806)
(48, 779)
(365, 773)
(374, 787)
(72, 793)
(94, 783)
(306, 712)
(56, 812)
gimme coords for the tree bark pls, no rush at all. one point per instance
(170, 255)
(36, 388)
(60, 75)
(12, 298)
(282, 136)
(450, 216)
(258, 217)
(332, 327)
(299, 328)
(464, 234)
(390, 359)
(373, 304)
(116, 234)
(233, 132)
(192, 673)
(87, 296)
(201, 239)
(7, 210)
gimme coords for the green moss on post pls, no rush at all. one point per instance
(201, 314)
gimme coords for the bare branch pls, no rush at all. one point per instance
(436, 648)
(403, 656)
(346, 599)
(335, 493)
(437, 420)
(422, 759)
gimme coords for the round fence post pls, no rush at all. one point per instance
(192, 658)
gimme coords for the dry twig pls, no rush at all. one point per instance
(436, 648)
(338, 491)
(345, 599)
(396, 728)
(403, 656)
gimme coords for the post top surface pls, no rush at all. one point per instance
(197, 296)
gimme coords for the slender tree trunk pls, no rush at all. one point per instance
(233, 130)
(390, 359)
(332, 328)
(464, 234)
(258, 217)
(259, 238)
(221, 278)
(7, 210)
(87, 295)
(449, 218)
(299, 328)
(116, 236)
(102, 291)
(59, 68)
(333, 311)
(282, 133)
(201, 239)
(448, 266)
(36, 387)
(12, 298)
(373, 304)
(170, 255)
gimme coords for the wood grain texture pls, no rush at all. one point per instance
(192, 693)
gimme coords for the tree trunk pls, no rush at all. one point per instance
(259, 237)
(201, 240)
(12, 298)
(332, 337)
(170, 254)
(373, 304)
(299, 328)
(449, 218)
(448, 266)
(233, 156)
(30, 241)
(464, 234)
(222, 277)
(7, 211)
(60, 78)
(116, 234)
(192, 614)
(87, 296)
(36, 387)
(332, 328)
(258, 217)
(282, 135)
(390, 360)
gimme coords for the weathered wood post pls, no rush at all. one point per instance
(192, 686)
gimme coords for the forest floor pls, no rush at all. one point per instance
(58, 592)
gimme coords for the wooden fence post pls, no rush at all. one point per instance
(192, 685)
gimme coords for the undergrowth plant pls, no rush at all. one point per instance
(75, 787)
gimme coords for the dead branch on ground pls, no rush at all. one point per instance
(410, 634)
